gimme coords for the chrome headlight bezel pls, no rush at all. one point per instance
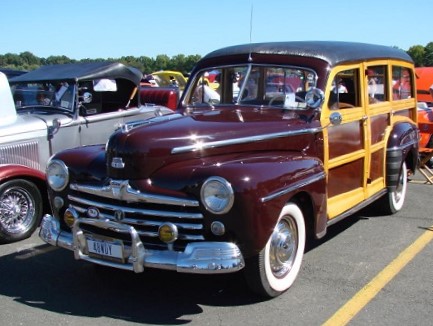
(57, 175)
(217, 195)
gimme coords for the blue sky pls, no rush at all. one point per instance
(114, 28)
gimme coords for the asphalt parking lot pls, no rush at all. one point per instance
(369, 270)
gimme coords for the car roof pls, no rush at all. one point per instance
(12, 72)
(333, 52)
(81, 71)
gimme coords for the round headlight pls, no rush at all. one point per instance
(57, 175)
(217, 195)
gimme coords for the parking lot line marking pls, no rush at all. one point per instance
(369, 291)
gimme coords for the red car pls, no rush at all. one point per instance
(424, 80)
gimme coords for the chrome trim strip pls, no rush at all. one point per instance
(181, 236)
(294, 186)
(121, 190)
(133, 221)
(198, 257)
(243, 140)
(135, 210)
(159, 117)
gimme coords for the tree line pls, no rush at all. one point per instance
(421, 55)
(28, 61)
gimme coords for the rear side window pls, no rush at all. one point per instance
(402, 80)
(345, 90)
(377, 84)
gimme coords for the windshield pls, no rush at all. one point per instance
(55, 95)
(264, 85)
(169, 79)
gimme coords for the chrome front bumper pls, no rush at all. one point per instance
(198, 257)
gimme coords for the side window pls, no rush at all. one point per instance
(377, 84)
(250, 86)
(345, 90)
(282, 85)
(207, 88)
(402, 83)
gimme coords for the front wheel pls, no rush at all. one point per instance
(20, 210)
(276, 267)
(393, 201)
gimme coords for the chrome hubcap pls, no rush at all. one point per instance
(283, 247)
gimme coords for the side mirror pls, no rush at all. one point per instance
(87, 97)
(52, 130)
(314, 98)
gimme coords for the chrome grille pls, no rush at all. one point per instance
(24, 154)
(146, 218)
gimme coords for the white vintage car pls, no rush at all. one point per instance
(51, 109)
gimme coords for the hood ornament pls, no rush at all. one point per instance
(117, 163)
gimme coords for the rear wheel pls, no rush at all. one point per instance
(393, 201)
(276, 267)
(20, 210)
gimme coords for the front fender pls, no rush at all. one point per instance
(262, 185)
(10, 171)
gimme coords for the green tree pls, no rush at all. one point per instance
(146, 63)
(30, 59)
(417, 53)
(58, 59)
(11, 60)
(191, 62)
(428, 55)
(161, 62)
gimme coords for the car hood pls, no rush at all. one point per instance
(32, 125)
(137, 153)
(26, 127)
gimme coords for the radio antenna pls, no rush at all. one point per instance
(250, 59)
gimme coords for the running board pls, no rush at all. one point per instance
(357, 207)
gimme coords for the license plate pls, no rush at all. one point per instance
(105, 248)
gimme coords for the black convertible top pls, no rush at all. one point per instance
(10, 73)
(81, 71)
(333, 52)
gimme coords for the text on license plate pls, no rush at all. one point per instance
(105, 248)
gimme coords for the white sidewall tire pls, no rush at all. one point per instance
(282, 284)
(397, 197)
